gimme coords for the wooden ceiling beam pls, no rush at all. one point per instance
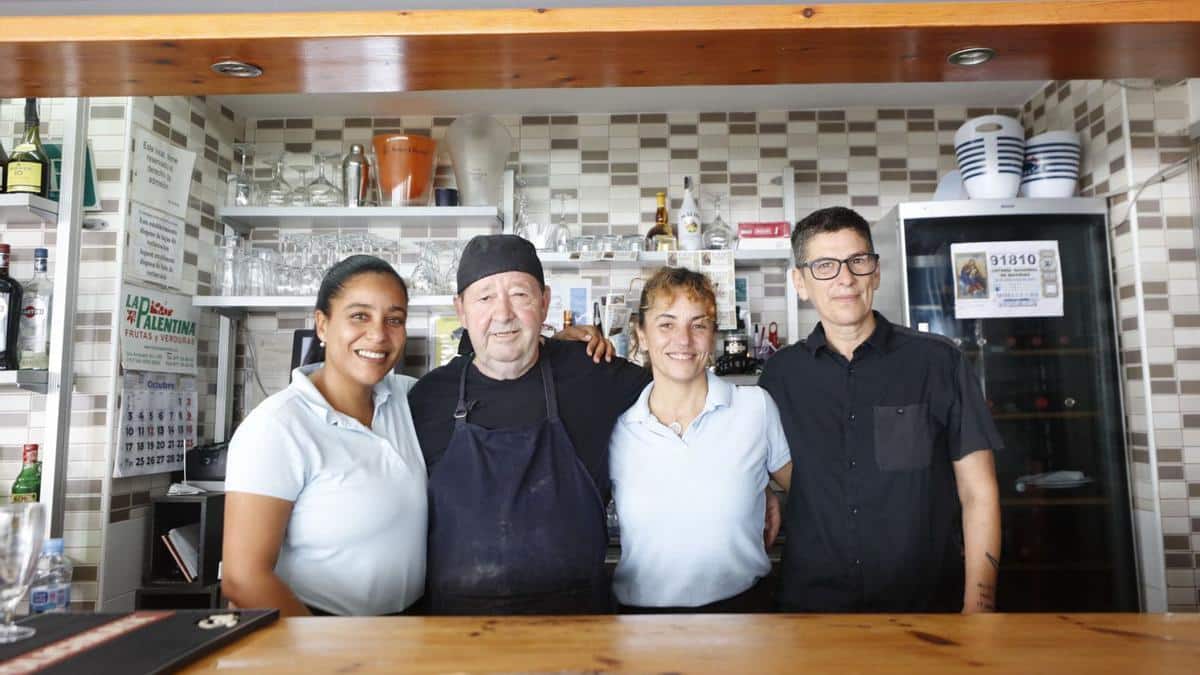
(336, 52)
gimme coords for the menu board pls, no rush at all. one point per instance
(995, 279)
(158, 423)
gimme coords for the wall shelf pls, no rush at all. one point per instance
(25, 209)
(36, 381)
(741, 257)
(236, 305)
(246, 218)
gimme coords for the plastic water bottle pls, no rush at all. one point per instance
(51, 589)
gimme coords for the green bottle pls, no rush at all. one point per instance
(28, 485)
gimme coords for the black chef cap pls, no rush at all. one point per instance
(489, 254)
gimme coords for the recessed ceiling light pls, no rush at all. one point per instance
(232, 68)
(971, 56)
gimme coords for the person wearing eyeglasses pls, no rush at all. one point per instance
(893, 504)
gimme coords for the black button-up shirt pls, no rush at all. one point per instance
(873, 520)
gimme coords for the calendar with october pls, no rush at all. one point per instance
(997, 279)
(158, 423)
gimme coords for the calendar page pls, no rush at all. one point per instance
(158, 423)
(994, 279)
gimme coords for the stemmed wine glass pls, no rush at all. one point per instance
(22, 529)
(300, 193)
(322, 192)
(238, 186)
(276, 191)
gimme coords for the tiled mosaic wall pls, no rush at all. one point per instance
(22, 414)
(1130, 133)
(208, 130)
(608, 168)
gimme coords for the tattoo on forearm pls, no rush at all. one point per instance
(987, 596)
(995, 562)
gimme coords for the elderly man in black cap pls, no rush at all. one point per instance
(515, 437)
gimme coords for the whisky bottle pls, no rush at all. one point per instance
(28, 168)
(660, 237)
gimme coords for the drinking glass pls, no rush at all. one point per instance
(224, 281)
(718, 234)
(275, 191)
(299, 196)
(22, 529)
(238, 185)
(322, 192)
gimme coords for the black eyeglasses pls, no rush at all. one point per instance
(860, 264)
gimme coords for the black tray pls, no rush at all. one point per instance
(131, 642)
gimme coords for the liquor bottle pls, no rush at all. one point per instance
(660, 237)
(10, 314)
(28, 485)
(33, 340)
(3, 170)
(690, 236)
(28, 167)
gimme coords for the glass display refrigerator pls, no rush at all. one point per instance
(1024, 288)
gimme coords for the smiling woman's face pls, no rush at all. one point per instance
(678, 333)
(364, 333)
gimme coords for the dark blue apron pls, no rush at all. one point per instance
(516, 524)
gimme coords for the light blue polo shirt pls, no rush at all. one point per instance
(692, 507)
(355, 543)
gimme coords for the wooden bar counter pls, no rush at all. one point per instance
(783, 643)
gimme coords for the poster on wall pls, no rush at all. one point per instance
(158, 423)
(155, 246)
(995, 279)
(159, 332)
(162, 173)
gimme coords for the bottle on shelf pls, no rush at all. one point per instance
(28, 485)
(690, 236)
(33, 340)
(568, 318)
(660, 237)
(51, 588)
(3, 169)
(28, 168)
(10, 313)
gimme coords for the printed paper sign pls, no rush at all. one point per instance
(995, 279)
(162, 173)
(158, 332)
(156, 246)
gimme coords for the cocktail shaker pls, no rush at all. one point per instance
(356, 176)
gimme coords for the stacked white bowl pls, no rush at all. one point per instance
(1051, 165)
(991, 153)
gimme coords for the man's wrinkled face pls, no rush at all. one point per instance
(503, 313)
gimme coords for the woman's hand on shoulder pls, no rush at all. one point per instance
(598, 348)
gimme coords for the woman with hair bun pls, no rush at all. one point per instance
(325, 511)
